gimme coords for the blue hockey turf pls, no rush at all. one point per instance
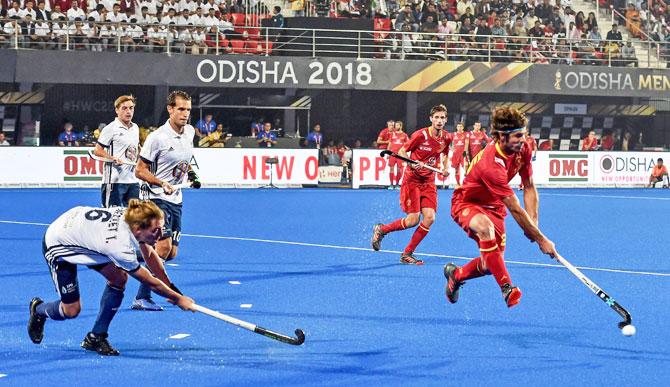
(302, 259)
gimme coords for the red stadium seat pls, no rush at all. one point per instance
(238, 46)
(254, 47)
(238, 19)
(254, 33)
(266, 47)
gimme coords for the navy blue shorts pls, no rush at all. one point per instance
(119, 194)
(172, 213)
(64, 276)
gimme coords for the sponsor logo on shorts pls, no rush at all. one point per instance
(69, 288)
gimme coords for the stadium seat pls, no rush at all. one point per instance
(266, 47)
(238, 46)
(238, 19)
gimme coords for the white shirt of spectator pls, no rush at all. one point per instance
(151, 7)
(166, 20)
(72, 29)
(56, 15)
(170, 154)
(185, 35)
(91, 31)
(42, 28)
(9, 28)
(199, 37)
(187, 4)
(25, 12)
(59, 29)
(207, 6)
(156, 33)
(93, 236)
(109, 5)
(225, 25)
(122, 142)
(148, 19)
(76, 13)
(116, 18)
(107, 31)
(171, 4)
(184, 21)
(198, 21)
(135, 32)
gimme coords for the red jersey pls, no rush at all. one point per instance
(384, 135)
(397, 140)
(426, 148)
(545, 145)
(588, 145)
(477, 141)
(530, 140)
(487, 180)
(607, 143)
(459, 142)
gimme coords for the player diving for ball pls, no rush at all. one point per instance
(107, 241)
(165, 161)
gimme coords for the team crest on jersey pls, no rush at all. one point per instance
(131, 153)
(466, 212)
(408, 202)
(180, 170)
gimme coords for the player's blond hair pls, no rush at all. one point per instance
(123, 99)
(140, 213)
(505, 119)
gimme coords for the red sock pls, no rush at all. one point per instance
(458, 178)
(470, 270)
(396, 225)
(494, 261)
(391, 177)
(417, 237)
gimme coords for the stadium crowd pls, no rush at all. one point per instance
(541, 31)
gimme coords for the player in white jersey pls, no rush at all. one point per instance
(120, 141)
(108, 241)
(165, 161)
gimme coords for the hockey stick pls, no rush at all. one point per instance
(387, 152)
(254, 328)
(106, 160)
(597, 291)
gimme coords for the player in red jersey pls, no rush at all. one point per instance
(477, 141)
(383, 137)
(460, 144)
(418, 193)
(397, 139)
(479, 205)
(532, 144)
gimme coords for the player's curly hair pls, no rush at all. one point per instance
(505, 119)
(140, 213)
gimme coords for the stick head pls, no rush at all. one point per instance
(385, 152)
(301, 337)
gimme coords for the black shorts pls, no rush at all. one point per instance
(64, 276)
(172, 213)
(119, 194)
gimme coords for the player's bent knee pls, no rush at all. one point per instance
(412, 220)
(71, 310)
(483, 227)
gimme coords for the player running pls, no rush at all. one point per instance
(397, 139)
(418, 193)
(459, 146)
(107, 241)
(165, 161)
(479, 205)
(119, 141)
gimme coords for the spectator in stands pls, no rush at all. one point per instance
(216, 139)
(628, 54)
(594, 36)
(627, 142)
(657, 173)
(591, 22)
(498, 29)
(298, 8)
(56, 13)
(315, 137)
(75, 12)
(156, 39)
(462, 6)
(537, 31)
(607, 142)
(3, 141)
(205, 126)
(277, 23)
(68, 137)
(406, 17)
(41, 12)
(384, 136)
(590, 142)
(266, 139)
(358, 144)
(546, 145)
(615, 35)
(331, 155)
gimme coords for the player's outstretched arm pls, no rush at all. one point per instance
(155, 263)
(102, 152)
(529, 227)
(531, 200)
(157, 286)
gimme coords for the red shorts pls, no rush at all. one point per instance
(457, 160)
(414, 196)
(463, 212)
(395, 162)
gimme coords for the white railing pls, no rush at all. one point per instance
(256, 40)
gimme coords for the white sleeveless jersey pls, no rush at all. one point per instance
(93, 236)
(123, 143)
(169, 155)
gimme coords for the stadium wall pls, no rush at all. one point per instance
(51, 167)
